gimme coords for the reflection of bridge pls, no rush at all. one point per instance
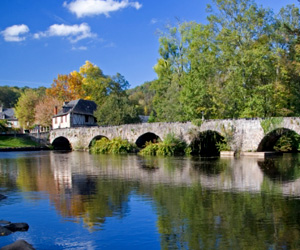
(243, 134)
(241, 175)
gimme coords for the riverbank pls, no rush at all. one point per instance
(13, 149)
(14, 143)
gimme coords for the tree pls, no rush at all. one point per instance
(170, 69)
(142, 97)
(67, 87)
(9, 96)
(44, 110)
(245, 62)
(199, 85)
(4, 125)
(25, 108)
(116, 110)
(95, 84)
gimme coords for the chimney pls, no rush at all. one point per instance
(55, 110)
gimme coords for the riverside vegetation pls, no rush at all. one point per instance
(289, 141)
(171, 146)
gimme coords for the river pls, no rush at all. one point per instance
(76, 200)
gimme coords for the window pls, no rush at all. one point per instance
(86, 118)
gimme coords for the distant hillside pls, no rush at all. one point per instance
(142, 97)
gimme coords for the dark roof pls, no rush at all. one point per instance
(8, 113)
(80, 106)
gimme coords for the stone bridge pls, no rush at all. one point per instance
(241, 134)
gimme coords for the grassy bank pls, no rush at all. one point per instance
(16, 142)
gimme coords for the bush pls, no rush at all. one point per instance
(114, 146)
(223, 146)
(288, 142)
(169, 147)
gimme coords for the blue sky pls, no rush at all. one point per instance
(40, 39)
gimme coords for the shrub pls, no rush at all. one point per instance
(169, 147)
(288, 142)
(114, 146)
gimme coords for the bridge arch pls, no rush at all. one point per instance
(269, 140)
(146, 137)
(61, 143)
(96, 138)
(205, 143)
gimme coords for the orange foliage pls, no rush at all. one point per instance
(67, 87)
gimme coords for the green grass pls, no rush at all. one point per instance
(15, 142)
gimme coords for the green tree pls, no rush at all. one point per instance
(4, 125)
(243, 63)
(25, 108)
(96, 85)
(116, 110)
(9, 96)
(199, 86)
(170, 69)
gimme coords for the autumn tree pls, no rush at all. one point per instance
(67, 87)
(44, 110)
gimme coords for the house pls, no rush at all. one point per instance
(76, 113)
(9, 115)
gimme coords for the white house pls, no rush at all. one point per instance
(9, 115)
(76, 113)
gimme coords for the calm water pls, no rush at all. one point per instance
(77, 200)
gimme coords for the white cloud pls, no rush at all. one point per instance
(97, 7)
(79, 48)
(73, 32)
(154, 21)
(13, 33)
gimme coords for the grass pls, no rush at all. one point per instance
(15, 142)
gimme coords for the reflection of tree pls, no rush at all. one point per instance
(195, 218)
(110, 199)
(27, 174)
(93, 200)
(78, 195)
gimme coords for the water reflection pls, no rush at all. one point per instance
(200, 203)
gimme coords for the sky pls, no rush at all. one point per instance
(40, 39)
